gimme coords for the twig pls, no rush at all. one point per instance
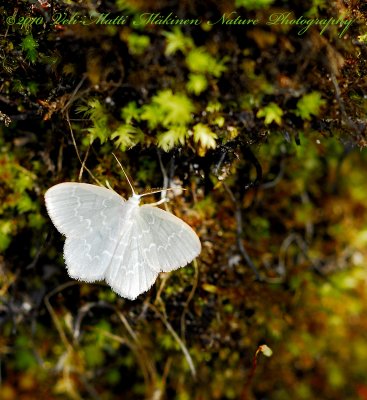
(133, 348)
(219, 164)
(188, 301)
(90, 389)
(55, 320)
(345, 117)
(77, 152)
(141, 353)
(164, 278)
(148, 369)
(165, 176)
(239, 231)
(295, 237)
(81, 314)
(177, 338)
(78, 86)
(276, 180)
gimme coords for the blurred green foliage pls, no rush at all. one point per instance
(309, 105)
(29, 46)
(272, 113)
(253, 5)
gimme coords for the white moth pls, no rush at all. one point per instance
(119, 241)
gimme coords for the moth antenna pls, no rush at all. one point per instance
(159, 191)
(82, 162)
(128, 180)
